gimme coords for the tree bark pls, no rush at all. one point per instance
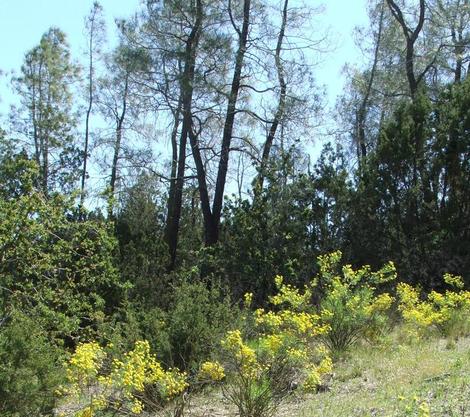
(212, 233)
(259, 182)
(173, 179)
(119, 128)
(362, 113)
(187, 88)
(87, 119)
(410, 36)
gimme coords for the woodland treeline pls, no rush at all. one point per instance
(147, 189)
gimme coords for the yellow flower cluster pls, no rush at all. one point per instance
(270, 320)
(314, 377)
(244, 355)
(442, 311)
(137, 407)
(97, 403)
(140, 368)
(272, 343)
(327, 261)
(297, 355)
(82, 372)
(423, 410)
(86, 412)
(325, 366)
(248, 299)
(304, 323)
(174, 383)
(128, 377)
(211, 371)
(291, 322)
(312, 381)
(415, 406)
(330, 263)
(455, 281)
(83, 366)
(381, 303)
(289, 295)
(415, 312)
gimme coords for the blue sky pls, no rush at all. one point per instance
(22, 22)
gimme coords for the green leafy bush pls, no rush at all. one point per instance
(56, 266)
(29, 367)
(197, 319)
(183, 335)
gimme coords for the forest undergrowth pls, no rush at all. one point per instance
(366, 346)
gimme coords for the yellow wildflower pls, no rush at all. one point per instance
(212, 371)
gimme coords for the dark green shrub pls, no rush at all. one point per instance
(184, 334)
(29, 368)
(198, 318)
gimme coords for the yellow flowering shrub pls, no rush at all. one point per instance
(455, 281)
(84, 364)
(123, 385)
(245, 358)
(350, 305)
(262, 371)
(290, 295)
(447, 312)
(211, 372)
(315, 374)
(312, 381)
(303, 324)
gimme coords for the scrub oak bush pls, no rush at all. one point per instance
(197, 318)
(185, 334)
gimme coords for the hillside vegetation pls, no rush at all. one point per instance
(187, 227)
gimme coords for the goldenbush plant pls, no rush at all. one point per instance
(130, 385)
(447, 313)
(284, 352)
(351, 306)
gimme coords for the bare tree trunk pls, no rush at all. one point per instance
(176, 197)
(280, 106)
(210, 228)
(45, 156)
(228, 126)
(37, 145)
(410, 36)
(117, 144)
(173, 180)
(87, 120)
(362, 113)
(94, 26)
(459, 49)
